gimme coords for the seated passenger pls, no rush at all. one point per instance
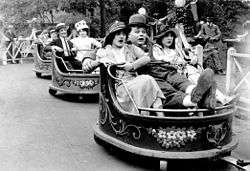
(73, 34)
(178, 90)
(83, 43)
(166, 50)
(63, 48)
(52, 37)
(143, 88)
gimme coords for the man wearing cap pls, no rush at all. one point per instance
(63, 47)
(83, 43)
(138, 32)
(211, 34)
(178, 90)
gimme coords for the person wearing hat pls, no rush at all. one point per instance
(53, 35)
(211, 34)
(166, 49)
(179, 92)
(83, 43)
(138, 31)
(63, 47)
(143, 88)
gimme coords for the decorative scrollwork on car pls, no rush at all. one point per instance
(119, 126)
(82, 84)
(63, 82)
(171, 137)
(85, 84)
(217, 133)
(104, 110)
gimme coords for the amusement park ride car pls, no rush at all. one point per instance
(73, 81)
(42, 66)
(175, 136)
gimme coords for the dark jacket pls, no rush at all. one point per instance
(58, 42)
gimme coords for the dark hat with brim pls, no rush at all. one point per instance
(60, 26)
(138, 20)
(164, 31)
(115, 27)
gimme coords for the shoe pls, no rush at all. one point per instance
(203, 84)
(221, 72)
(231, 99)
(209, 100)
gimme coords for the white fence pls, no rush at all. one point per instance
(20, 46)
(238, 77)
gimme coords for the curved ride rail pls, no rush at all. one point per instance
(72, 81)
(176, 136)
(41, 66)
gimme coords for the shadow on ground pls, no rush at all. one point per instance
(153, 164)
(87, 98)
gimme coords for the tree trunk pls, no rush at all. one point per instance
(102, 13)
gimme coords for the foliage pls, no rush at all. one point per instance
(229, 14)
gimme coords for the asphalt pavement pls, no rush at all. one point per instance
(42, 132)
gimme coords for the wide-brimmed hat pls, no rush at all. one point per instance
(137, 20)
(116, 26)
(59, 26)
(81, 25)
(164, 30)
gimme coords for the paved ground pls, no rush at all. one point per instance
(42, 132)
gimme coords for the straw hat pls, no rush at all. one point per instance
(59, 26)
(116, 26)
(164, 30)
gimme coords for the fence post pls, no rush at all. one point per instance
(3, 56)
(231, 51)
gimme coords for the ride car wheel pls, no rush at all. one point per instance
(52, 92)
(38, 74)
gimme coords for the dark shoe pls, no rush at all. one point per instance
(209, 100)
(221, 72)
(231, 99)
(204, 83)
